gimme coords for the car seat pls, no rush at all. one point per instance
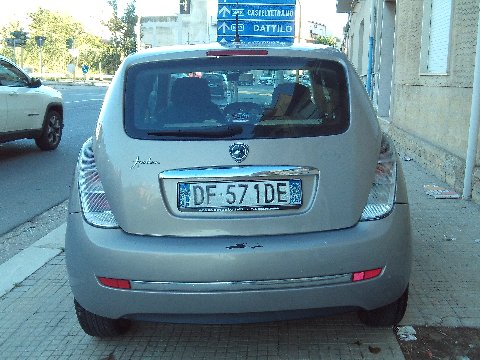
(293, 100)
(191, 102)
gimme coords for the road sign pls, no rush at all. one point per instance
(261, 21)
(40, 40)
(84, 69)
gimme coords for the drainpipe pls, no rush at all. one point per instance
(371, 49)
(474, 123)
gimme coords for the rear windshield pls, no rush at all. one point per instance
(236, 98)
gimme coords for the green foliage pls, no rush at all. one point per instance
(326, 40)
(5, 33)
(123, 38)
(57, 28)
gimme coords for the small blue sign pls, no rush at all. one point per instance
(259, 21)
(84, 69)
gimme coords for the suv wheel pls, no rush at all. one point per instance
(52, 131)
(388, 315)
(99, 326)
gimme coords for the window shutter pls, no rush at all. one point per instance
(440, 23)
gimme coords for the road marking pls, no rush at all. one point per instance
(80, 101)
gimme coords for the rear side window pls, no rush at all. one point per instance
(236, 98)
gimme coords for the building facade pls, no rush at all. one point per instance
(417, 59)
(194, 24)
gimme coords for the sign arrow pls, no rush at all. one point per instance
(224, 10)
(224, 27)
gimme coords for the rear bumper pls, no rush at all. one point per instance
(185, 278)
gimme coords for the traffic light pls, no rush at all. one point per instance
(20, 37)
(16, 34)
(10, 42)
(69, 43)
(22, 40)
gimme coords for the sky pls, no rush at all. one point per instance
(91, 12)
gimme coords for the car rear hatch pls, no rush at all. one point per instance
(273, 167)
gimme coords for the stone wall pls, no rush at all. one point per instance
(444, 165)
(431, 113)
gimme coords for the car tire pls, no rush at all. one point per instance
(51, 132)
(99, 326)
(388, 315)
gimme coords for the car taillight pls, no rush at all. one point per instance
(382, 194)
(95, 206)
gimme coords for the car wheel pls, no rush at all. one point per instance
(388, 315)
(52, 131)
(99, 326)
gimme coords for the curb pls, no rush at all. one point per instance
(29, 260)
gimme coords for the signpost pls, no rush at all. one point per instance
(40, 40)
(256, 21)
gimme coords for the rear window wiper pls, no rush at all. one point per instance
(208, 132)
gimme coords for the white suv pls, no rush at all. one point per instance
(28, 109)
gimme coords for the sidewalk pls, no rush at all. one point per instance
(37, 319)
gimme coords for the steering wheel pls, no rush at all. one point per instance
(242, 112)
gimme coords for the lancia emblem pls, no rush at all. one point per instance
(238, 151)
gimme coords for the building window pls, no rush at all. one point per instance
(437, 21)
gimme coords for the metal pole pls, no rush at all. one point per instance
(14, 50)
(41, 63)
(297, 73)
(474, 124)
(371, 48)
(299, 21)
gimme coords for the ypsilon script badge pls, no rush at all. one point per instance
(238, 151)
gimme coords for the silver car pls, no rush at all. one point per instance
(276, 203)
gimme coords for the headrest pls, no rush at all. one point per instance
(190, 89)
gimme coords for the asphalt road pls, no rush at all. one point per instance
(33, 181)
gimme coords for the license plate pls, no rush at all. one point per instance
(240, 195)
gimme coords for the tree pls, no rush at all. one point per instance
(326, 40)
(5, 33)
(130, 38)
(123, 39)
(56, 28)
